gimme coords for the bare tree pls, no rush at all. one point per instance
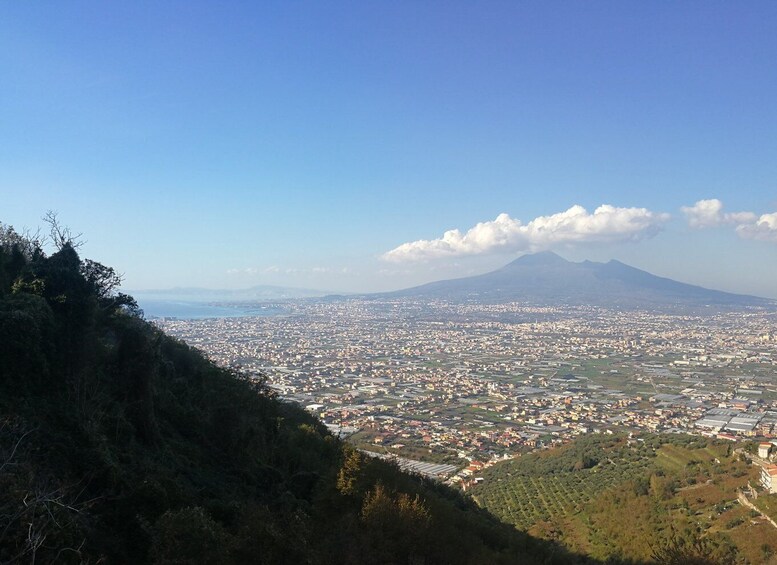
(39, 514)
(60, 235)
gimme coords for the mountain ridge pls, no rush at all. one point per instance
(547, 279)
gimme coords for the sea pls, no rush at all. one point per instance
(185, 310)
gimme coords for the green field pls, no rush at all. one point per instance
(542, 498)
(603, 492)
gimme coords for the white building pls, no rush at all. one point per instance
(769, 478)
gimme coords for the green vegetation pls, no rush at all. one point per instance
(767, 503)
(119, 444)
(669, 498)
(541, 485)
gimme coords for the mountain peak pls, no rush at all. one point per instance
(541, 258)
(548, 279)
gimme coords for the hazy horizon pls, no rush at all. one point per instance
(206, 292)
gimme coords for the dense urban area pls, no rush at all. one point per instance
(448, 388)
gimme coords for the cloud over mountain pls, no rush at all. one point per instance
(607, 224)
(709, 214)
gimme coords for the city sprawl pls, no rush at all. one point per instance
(454, 384)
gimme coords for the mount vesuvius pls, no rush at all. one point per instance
(546, 279)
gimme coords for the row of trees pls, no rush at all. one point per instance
(630, 504)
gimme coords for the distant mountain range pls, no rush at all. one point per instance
(547, 279)
(260, 293)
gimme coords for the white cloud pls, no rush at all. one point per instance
(709, 214)
(504, 234)
(246, 271)
(763, 228)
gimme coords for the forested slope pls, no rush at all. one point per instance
(119, 444)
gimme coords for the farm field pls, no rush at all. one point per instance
(543, 498)
(604, 492)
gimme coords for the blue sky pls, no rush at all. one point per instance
(304, 143)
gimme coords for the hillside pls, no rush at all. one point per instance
(546, 279)
(616, 497)
(119, 444)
